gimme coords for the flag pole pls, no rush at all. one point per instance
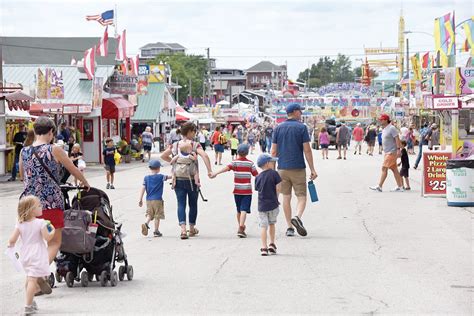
(115, 21)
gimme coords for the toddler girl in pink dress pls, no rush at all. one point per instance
(34, 233)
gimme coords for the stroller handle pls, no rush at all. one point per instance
(70, 187)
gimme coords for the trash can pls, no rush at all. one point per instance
(460, 182)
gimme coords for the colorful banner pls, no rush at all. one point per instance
(415, 61)
(97, 86)
(434, 173)
(49, 84)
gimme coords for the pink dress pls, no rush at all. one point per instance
(33, 251)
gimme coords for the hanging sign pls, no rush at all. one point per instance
(445, 103)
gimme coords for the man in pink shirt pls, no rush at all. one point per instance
(358, 135)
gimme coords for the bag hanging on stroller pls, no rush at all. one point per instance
(76, 236)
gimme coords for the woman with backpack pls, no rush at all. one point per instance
(186, 188)
(218, 140)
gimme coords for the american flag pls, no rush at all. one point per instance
(106, 18)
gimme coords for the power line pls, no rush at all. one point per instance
(226, 56)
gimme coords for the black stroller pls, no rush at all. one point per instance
(107, 247)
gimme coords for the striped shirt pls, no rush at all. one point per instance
(243, 169)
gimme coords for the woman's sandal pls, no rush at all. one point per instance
(194, 232)
(184, 235)
(272, 249)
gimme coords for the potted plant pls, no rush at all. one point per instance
(127, 154)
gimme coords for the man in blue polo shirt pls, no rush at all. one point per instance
(291, 144)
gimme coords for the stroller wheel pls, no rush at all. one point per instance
(130, 273)
(121, 273)
(114, 279)
(84, 279)
(103, 278)
(59, 278)
(69, 279)
(51, 280)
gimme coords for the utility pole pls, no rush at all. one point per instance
(209, 79)
(3, 125)
(408, 73)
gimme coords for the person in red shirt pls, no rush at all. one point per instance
(358, 135)
(218, 147)
(243, 169)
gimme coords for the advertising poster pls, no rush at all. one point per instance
(41, 85)
(97, 85)
(49, 84)
(434, 173)
(55, 84)
(157, 73)
(465, 81)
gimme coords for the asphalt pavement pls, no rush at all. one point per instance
(365, 253)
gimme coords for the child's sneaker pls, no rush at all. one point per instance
(157, 233)
(112, 186)
(264, 251)
(272, 249)
(107, 186)
(145, 229)
(290, 232)
(29, 310)
(241, 232)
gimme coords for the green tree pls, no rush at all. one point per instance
(187, 70)
(328, 70)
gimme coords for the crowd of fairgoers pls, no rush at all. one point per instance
(46, 161)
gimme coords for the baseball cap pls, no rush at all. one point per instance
(243, 149)
(293, 107)
(154, 164)
(264, 158)
(384, 117)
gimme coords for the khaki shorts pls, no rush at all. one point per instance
(390, 161)
(293, 178)
(268, 218)
(155, 209)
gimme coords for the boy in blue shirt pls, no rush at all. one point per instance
(267, 183)
(153, 186)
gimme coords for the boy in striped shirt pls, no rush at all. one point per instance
(243, 169)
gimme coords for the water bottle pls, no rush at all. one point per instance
(49, 226)
(312, 191)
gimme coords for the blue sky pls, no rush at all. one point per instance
(241, 33)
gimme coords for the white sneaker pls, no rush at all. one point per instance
(376, 188)
(400, 189)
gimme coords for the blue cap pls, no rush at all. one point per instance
(243, 149)
(154, 164)
(290, 108)
(264, 158)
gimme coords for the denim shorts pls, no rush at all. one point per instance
(243, 203)
(218, 148)
(268, 218)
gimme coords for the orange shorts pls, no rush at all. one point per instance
(390, 161)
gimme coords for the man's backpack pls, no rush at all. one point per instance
(222, 139)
